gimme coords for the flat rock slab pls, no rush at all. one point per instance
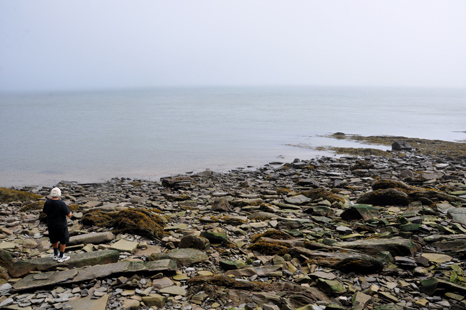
(124, 246)
(298, 199)
(92, 204)
(149, 250)
(356, 262)
(24, 267)
(267, 271)
(396, 246)
(188, 256)
(45, 279)
(434, 238)
(7, 245)
(437, 258)
(457, 215)
(323, 275)
(173, 290)
(88, 303)
(95, 238)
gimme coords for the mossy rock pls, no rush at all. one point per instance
(36, 205)
(361, 151)
(384, 184)
(324, 194)
(9, 195)
(272, 233)
(99, 218)
(140, 222)
(434, 196)
(362, 164)
(43, 218)
(429, 286)
(195, 242)
(215, 237)
(73, 207)
(383, 197)
(269, 248)
(6, 260)
(333, 287)
(283, 191)
(132, 221)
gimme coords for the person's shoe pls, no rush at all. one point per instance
(63, 258)
(56, 257)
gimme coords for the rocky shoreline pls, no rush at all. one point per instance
(362, 231)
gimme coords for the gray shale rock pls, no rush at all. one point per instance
(381, 254)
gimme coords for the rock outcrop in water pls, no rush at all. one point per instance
(356, 232)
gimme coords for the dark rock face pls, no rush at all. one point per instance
(383, 197)
(176, 182)
(401, 146)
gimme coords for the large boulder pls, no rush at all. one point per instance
(401, 146)
(175, 182)
(194, 242)
(347, 262)
(383, 197)
(384, 184)
(132, 221)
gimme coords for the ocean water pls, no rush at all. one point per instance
(92, 136)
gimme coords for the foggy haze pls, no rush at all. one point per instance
(65, 45)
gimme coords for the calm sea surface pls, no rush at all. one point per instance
(94, 136)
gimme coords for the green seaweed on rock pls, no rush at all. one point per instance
(10, 195)
(269, 248)
(140, 222)
(133, 221)
(36, 205)
(99, 218)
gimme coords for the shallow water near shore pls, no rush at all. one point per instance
(96, 135)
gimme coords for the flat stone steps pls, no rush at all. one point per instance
(24, 267)
(67, 277)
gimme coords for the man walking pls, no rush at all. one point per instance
(57, 211)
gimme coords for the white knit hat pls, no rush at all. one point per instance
(55, 192)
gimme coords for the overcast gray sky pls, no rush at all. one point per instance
(51, 45)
